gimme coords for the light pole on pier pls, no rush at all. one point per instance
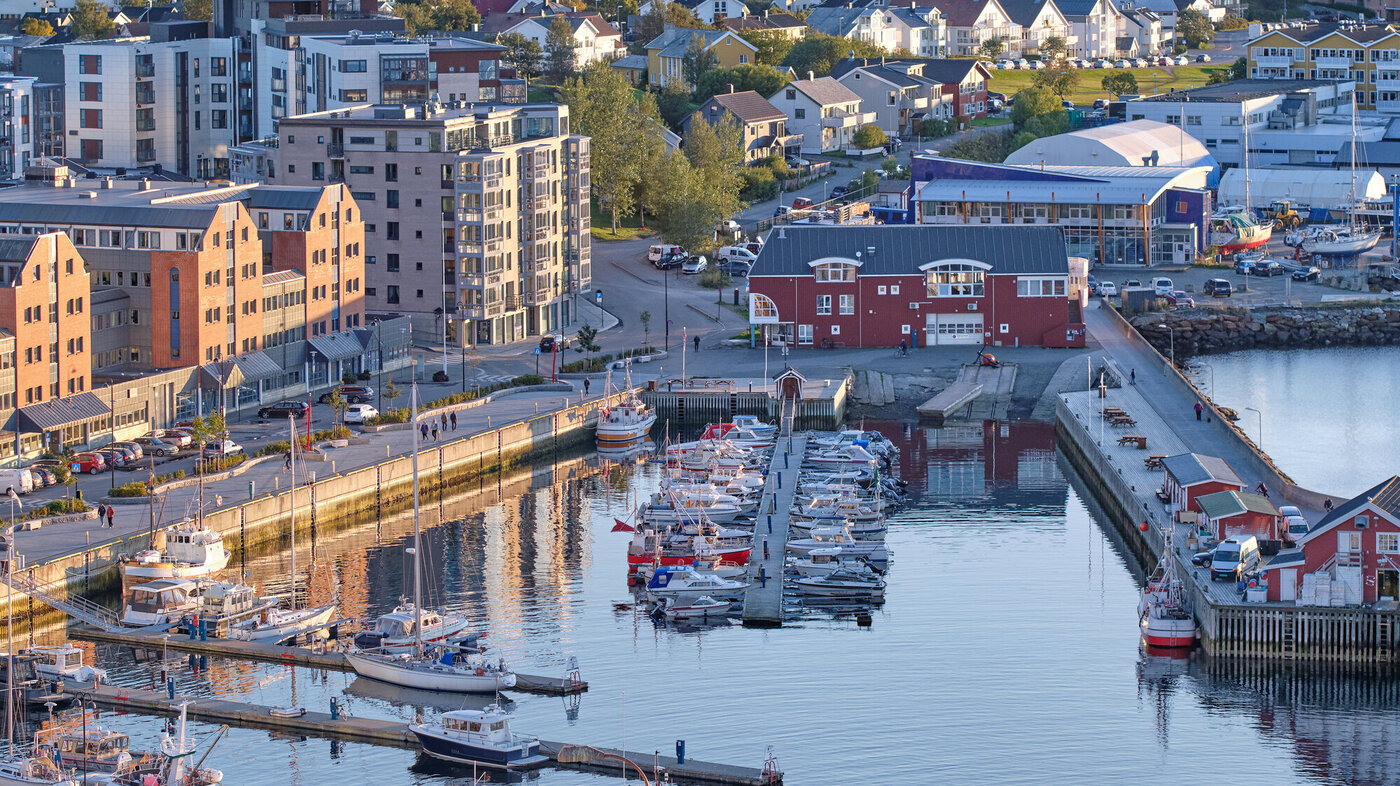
(1260, 443)
(1172, 331)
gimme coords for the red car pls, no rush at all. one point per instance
(90, 463)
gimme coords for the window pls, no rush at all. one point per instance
(353, 66)
(1388, 542)
(799, 113)
(880, 290)
(1040, 287)
(823, 305)
(90, 64)
(392, 263)
(848, 305)
(391, 172)
(763, 308)
(954, 280)
(894, 289)
(391, 198)
(834, 271)
(804, 334)
(392, 293)
(90, 118)
(391, 230)
(90, 91)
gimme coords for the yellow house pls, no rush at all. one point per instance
(1366, 54)
(666, 52)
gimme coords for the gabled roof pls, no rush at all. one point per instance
(839, 21)
(780, 21)
(748, 106)
(902, 248)
(674, 40)
(16, 249)
(1384, 497)
(964, 13)
(1024, 12)
(1287, 558)
(1190, 469)
(1082, 8)
(824, 90)
(1360, 34)
(1232, 503)
(904, 71)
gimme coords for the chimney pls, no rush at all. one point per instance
(145, 185)
(811, 75)
(731, 88)
(765, 13)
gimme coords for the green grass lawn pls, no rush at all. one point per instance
(1165, 80)
(628, 227)
(541, 94)
(991, 121)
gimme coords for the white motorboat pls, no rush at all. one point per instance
(187, 551)
(36, 770)
(401, 628)
(451, 671)
(713, 565)
(478, 737)
(706, 493)
(847, 456)
(860, 530)
(873, 441)
(819, 562)
(756, 426)
(162, 602)
(836, 508)
(700, 608)
(684, 584)
(65, 662)
(671, 509)
(826, 537)
(627, 422)
(844, 582)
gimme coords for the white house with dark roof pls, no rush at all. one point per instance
(825, 112)
(970, 22)
(1096, 25)
(711, 12)
(1040, 20)
(595, 40)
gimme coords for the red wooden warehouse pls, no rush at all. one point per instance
(1357, 546)
(1189, 476)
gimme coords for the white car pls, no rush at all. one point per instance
(222, 447)
(1108, 289)
(1163, 286)
(1182, 60)
(1122, 64)
(359, 413)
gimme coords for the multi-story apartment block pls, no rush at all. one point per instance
(1040, 20)
(45, 65)
(1368, 55)
(479, 213)
(43, 303)
(970, 22)
(239, 17)
(17, 122)
(1095, 24)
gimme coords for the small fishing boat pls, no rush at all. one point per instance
(223, 605)
(843, 582)
(627, 422)
(700, 608)
(161, 602)
(187, 551)
(837, 507)
(79, 740)
(401, 628)
(650, 546)
(683, 583)
(1163, 615)
(65, 662)
(36, 770)
(756, 426)
(1235, 229)
(479, 737)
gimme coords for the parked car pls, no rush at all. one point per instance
(794, 161)
(1234, 557)
(554, 342)
(1243, 266)
(43, 476)
(1202, 58)
(1202, 558)
(1108, 289)
(157, 446)
(1180, 299)
(134, 447)
(673, 260)
(1132, 282)
(1093, 284)
(1163, 285)
(21, 480)
(282, 409)
(1266, 268)
(1294, 526)
(736, 254)
(801, 203)
(352, 394)
(359, 413)
(183, 437)
(1306, 274)
(694, 264)
(736, 267)
(221, 447)
(730, 227)
(1100, 103)
(656, 252)
(1217, 287)
(89, 462)
(839, 191)
(1182, 60)
(112, 456)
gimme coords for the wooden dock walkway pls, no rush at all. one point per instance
(763, 602)
(292, 656)
(396, 734)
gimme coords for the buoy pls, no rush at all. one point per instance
(1252, 583)
(1143, 526)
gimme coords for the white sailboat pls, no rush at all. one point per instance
(1233, 228)
(278, 624)
(1353, 238)
(451, 670)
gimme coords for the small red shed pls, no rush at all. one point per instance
(1189, 476)
(1231, 513)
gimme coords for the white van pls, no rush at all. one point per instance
(21, 480)
(1163, 285)
(735, 254)
(660, 251)
(1234, 557)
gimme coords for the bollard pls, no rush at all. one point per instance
(332, 466)
(194, 634)
(762, 576)
(335, 709)
(780, 480)
(786, 458)
(680, 751)
(276, 484)
(736, 296)
(770, 524)
(203, 629)
(170, 688)
(252, 489)
(386, 451)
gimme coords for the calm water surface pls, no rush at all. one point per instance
(1006, 651)
(1331, 417)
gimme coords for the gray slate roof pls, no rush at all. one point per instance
(902, 248)
(1192, 468)
(16, 249)
(825, 91)
(58, 412)
(284, 197)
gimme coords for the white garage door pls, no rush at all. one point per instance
(953, 329)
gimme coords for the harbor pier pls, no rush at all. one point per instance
(821, 405)
(763, 601)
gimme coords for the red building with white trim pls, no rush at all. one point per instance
(1357, 546)
(1189, 476)
(875, 285)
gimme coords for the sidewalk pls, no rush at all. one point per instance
(268, 476)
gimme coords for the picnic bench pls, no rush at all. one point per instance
(1122, 420)
(1110, 412)
(1138, 439)
(1154, 461)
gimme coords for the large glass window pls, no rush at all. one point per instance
(834, 271)
(954, 280)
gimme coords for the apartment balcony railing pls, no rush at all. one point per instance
(1274, 62)
(1334, 62)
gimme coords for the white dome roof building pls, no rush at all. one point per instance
(1137, 143)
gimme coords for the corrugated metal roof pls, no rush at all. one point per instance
(1067, 191)
(1192, 468)
(901, 249)
(284, 198)
(51, 214)
(59, 412)
(337, 346)
(225, 373)
(1233, 503)
(281, 276)
(257, 365)
(16, 249)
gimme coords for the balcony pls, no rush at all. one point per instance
(1342, 63)
(145, 70)
(842, 119)
(541, 233)
(1388, 65)
(539, 297)
(334, 150)
(1388, 107)
(464, 214)
(1274, 62)
(469, 249)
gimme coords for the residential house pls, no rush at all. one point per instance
(1040, 20)
(1170, 10)
(666, 52)
(1096, 26)
(711, 12)
(764, 126)
(782, 23)
(634, 67)
(595, 40)
(1226, 514)
(919, 31)
(1189, 476)
(1145, 28)
(1356, 548)
(825, 112)
(1366, 54)
(970, 22)
(904, 92)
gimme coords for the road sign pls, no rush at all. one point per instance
(75, 466)
(598, 295)
(537, 350)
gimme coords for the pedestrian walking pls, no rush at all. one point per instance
(435, 431)
(586, 384)
(1262, 489)
(444, 421)
(1199, 410)
(697, 343)
(424, 429)
(111, 514)
(288, 463)
(454, 421)
(1132, 376)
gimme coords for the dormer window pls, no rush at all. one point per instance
(955, 278)
(834, 270)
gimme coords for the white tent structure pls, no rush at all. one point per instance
(1304, 188)
(1137, 143)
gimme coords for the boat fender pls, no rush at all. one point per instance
(480, 671)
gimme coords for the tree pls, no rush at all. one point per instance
(35, 26)
(1119, 82)
(1058, 79)
(390, 393)
(697, 60)
(1194, 27)
(869, 137)
(673, 102)
(652, 23)
(764, 80)
(338, 406)
(1034, 102)
(90, 20)
(679, 15)
(645, 319)
(1054, 48)
(583, 342)
(416, 16)
(695, 190)
(818, 53)
(523, 54)
(991, 48)
(205, 428)
(561, 49)
(772, 46)
(624, 127)
(455, 14)
(199, 10)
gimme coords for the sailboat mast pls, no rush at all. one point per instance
(417, 583)
(10, 640)
(1244, 159)
(292, 465)
(1351, 205)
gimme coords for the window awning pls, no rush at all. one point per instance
(257, 365)
(59, 412)
(337, 346)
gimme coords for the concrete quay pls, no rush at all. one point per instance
(763, 600)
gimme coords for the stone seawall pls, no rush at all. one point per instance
(1204, 331)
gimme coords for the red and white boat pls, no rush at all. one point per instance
(649, 546)
(1165, 619)
(1234, 229)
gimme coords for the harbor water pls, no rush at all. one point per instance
(1330, 418)
(1006, 650)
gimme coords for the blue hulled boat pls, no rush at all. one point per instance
(478, 737)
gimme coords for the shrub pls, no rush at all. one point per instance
(760, 185)
(439, 376)
(58, 507)
(275, 448)
(339, 432)
(526, 379)
(347, 379)
(222, 463)
(363, 376)
(384, 418)
(178, 474)
(869, 136)
(133, 489)
(714, 278)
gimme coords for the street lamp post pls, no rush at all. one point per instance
(1173, 341)
(666, 308)
(1260, 442)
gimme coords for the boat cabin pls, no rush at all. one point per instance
(194, 545)
(161, 600)
(487, 726)
(82, 743)
(399, 622)
(1189, 476)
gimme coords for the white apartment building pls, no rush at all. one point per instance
(17, 124)
(971, 22)
(139, 102)
(825, 112)
(1096, 25)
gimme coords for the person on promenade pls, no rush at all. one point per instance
(586, 384)
(423, 428)
(435, 431)
(1262, 489)
(697, 342)
(111, 514)
(444, 421)
(903, 348)
(454, 421)
(287, 464)
(1132, 376)
(1199, 410)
